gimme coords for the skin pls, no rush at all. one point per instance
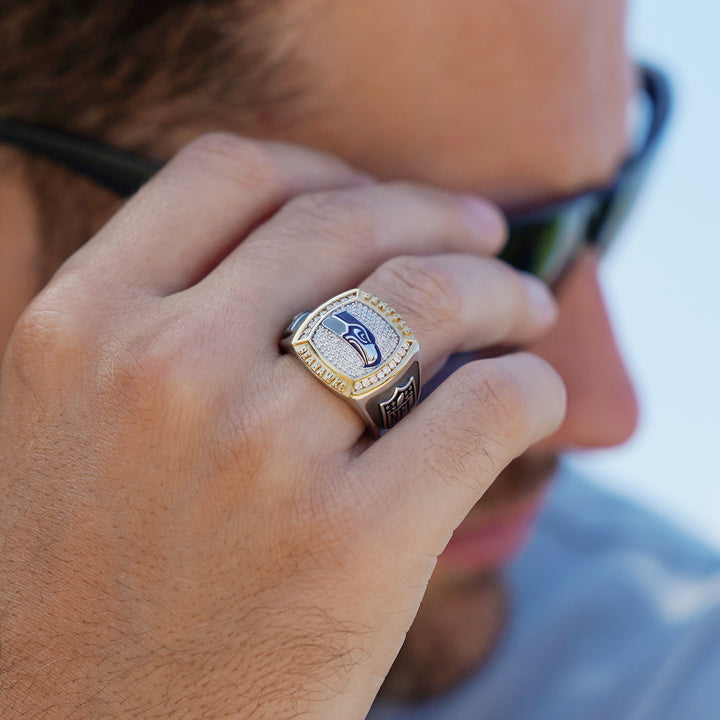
(406, 96)
(445, 94)
(174, 542)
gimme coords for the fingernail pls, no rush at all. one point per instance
(542, 298)
(485, 218)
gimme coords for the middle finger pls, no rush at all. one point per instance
(321, 244)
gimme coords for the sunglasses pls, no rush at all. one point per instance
(546, 240)
(543, 241)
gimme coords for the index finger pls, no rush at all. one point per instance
(201, 204)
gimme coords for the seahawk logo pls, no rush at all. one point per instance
(359, 337)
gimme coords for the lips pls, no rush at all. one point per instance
(491, 536)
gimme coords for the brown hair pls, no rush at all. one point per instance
(128, 73)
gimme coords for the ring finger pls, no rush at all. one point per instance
(460, 303)
(453, 303)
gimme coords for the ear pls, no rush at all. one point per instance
(19, 243)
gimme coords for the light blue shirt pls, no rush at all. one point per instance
(615, 616)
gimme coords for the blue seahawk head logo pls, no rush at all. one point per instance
(359, 337)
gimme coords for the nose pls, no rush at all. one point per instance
(602, 407)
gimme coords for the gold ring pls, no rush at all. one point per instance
(362, 350)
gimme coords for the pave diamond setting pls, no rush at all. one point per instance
(336, 351)
(334, 360)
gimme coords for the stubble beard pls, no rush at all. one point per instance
(454, 634)
(462, 617)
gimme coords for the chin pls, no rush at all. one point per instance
(463, 613)
(497, 528)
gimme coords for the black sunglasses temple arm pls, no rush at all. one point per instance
(121, 172)
(658, 89)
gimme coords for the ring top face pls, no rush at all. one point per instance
(354, 343)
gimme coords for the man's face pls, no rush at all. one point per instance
(518, 101)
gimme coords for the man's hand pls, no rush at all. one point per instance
(192, 525)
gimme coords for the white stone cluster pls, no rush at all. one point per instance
(383, 372)
(320, 314)
(336, 351)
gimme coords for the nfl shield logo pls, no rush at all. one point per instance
(400, 404)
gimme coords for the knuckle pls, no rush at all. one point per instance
(423, 283)
(456, 463)
(459, 448)
(246, 162)
(485, 424)
(340, 217)
(50, 336)
(151, 372)
(497, 403)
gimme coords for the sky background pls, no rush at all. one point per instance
(662, 280)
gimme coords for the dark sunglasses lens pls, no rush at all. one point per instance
(547, 246)
(605, 227)
(652, 111)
